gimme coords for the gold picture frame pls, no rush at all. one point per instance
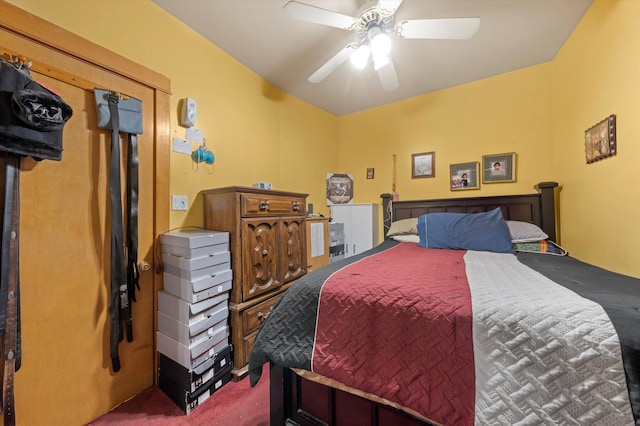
(423, 165)
(463, 176)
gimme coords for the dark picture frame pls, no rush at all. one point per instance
(370, 173)
(499, 168)
(339, 188)
(463, 176)
(423, 165)
(600, 140)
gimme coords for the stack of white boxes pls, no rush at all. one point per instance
(193, 332)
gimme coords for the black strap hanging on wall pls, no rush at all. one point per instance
(31, 122)
(122, 114)
(11, 283)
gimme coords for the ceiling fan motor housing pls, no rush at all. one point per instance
(372, 22)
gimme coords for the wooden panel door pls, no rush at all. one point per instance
(260, 269)
(294, 248)
(66, 375)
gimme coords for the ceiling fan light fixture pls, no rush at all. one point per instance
(380, 61)
(379, 41)
(360, 57)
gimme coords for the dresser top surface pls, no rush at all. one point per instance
(252, 190)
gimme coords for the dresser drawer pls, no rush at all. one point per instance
(247, 345)
(253, 317)
(267, 205)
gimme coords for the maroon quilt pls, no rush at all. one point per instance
(361, 337)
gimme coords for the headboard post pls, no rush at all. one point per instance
(548, 208)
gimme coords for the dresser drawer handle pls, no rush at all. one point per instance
(295, 206)
(262, 316)
(264, 205)
(265, 252)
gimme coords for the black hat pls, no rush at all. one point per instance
(31, 116)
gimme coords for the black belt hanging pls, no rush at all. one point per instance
(31, 121)
(124, 278)
(11, 283)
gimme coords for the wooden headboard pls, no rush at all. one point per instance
(533, 208)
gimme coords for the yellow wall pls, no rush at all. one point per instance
(597, 73)
(257, 132)
(506, 113)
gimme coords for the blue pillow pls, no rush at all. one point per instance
(485, 231)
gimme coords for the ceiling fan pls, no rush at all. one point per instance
(373, 26)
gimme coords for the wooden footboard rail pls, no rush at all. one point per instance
(298, 401)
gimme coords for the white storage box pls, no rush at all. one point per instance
(196, 252)
(191, 357)
(200, 289)
(198, 273)
(187, 312)
(185, 333)
(196, 263)
(194, 239)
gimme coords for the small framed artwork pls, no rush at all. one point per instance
(339, 188)
(370, 172)
(423, 165)
(499, 168)
(600, 140)
(464, 176)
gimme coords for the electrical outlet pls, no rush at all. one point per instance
(180, 202)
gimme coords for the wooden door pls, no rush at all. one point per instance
(66, 375)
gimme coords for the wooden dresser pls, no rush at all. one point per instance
(267, 240)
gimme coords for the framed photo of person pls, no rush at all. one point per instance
(499, 168)
(464, 176)
(423, 165)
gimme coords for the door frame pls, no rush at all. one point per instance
(18, 21)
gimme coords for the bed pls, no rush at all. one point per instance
(414, 332)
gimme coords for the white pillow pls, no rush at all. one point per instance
(404, 227)
(407, 238)
(525, 232)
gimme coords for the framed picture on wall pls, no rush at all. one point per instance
(423, 165)
(464, 176)
(370, 172)
(339, 188)
(600, 140)
(499, 168)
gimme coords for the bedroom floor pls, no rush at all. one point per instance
(234, 404)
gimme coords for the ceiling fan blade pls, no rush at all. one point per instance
(333, 63)
(456, 28)
(305, 12)
(389, 6)
(388, 77)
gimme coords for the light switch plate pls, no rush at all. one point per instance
(180, 202)
(195, 135)
(182, 146)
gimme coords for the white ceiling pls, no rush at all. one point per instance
(513, 34)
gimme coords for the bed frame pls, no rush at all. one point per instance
(298, 401)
